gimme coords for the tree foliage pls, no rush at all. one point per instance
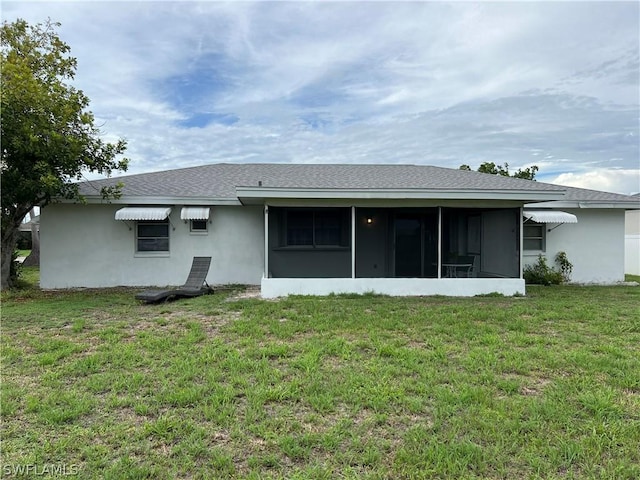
(49, 139)
(490, 167)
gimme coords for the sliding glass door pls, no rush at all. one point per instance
(416, 244)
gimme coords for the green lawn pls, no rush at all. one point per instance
(545, 386)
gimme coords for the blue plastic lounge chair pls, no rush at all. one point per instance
(195, 285)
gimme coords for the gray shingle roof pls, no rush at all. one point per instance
(584, 195)
(219, 181)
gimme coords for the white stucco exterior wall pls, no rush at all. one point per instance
(595, 245)
(458, 287)
(84, 246)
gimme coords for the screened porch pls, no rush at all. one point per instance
(409, 243)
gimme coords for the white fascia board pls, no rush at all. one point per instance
(624, 206)
(140, 200)
(585, 204)
(263, 193)
(384, 203)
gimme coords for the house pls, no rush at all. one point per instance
(632, 241)
(318, 229)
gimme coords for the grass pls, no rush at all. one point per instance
(545, 386)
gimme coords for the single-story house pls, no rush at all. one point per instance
(320, 229)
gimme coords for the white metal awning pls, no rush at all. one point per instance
(550, 216)
(143, 213)
(195, 213)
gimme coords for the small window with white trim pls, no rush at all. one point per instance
(152, 236)
(199, 226)
(198, 218)
(534, 236)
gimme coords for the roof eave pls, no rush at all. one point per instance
(585, 204)
(246, 194)
(157, 200)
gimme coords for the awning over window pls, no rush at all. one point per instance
(550, 216)
(194, 213)
(143, 213)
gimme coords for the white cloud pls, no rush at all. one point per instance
(387, 82)
(617, 181)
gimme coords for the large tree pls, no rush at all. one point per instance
(49, 140)
(490, 167)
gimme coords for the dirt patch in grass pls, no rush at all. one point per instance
(127, 415)
(535, 389)
(249, 292)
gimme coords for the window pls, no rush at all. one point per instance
(534, 235)
(299, 228)
(327, 227)
(317, 228)
(152, 236)
(198, 226)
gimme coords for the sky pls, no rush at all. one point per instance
(552, 84)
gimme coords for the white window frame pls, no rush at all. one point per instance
(542, 238)
(153, 253)
(199, 231)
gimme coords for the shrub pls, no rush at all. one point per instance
(541, 273)
(566, 267)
